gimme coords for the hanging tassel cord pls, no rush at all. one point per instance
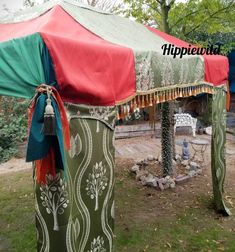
(47, 165)
(50, 90)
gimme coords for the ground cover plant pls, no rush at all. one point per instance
(181, 219)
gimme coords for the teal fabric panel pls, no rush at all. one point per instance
(38, 143)
(24, 64)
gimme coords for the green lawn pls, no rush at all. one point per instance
(146, 219)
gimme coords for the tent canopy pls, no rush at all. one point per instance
(98, 58)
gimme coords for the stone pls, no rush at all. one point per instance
(166, 186)
(139, 162)
(150, 158)
(192, 173)
(194, 164)
(142, 163)
(141, 173)
(160, 159)
(162, 180)
(160, 186)
(172, 185)
(150, 177)
(177, 157)
(151, 181)
(184, 162)
(199, 171)
(182, 179)
(135, 168)
(143, 180)
(187, 167)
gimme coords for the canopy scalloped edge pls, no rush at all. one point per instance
(162, 94)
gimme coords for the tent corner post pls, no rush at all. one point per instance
(218, 161)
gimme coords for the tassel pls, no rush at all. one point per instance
(172, 94)
(177, 93)
(147, 101)
(138, 102)
(143, 102)
(117, 116)
(131, 107)
(150, 100)
(164, 96)
(121, 113)
(135, 103)
(180, 93)
(157, 98)
(127, 111)
(190, 91)
(49, 118)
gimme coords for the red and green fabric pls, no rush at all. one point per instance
(88, 56)
(97, 61)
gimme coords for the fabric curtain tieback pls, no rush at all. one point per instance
(47, 150)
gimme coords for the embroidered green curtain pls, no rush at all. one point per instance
(218, 140)
(76, 212)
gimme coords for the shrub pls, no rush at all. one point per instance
(13, 125)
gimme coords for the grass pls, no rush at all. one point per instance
(17, 232)
(146, 220)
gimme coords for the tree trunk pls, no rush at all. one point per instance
(167, 154)
(167, 126)
(165, 13)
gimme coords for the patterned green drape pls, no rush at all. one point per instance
(75, 211)
(218, 162)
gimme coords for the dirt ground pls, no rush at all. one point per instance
(130, 150)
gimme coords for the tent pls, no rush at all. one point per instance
(87, 62)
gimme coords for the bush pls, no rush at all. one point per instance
(13, 125)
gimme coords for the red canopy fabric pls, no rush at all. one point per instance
(89, 69)
(216, 66)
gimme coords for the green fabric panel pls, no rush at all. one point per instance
(83, 216)
(153, 69)
(218, 162)
(21, 66)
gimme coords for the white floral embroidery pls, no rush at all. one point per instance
(167, 72)
(96, 183)
(54, 197)
(101, 113)
(184, 72)
(76, 146)
(97, 245)
(199, 71)
(145, 77)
